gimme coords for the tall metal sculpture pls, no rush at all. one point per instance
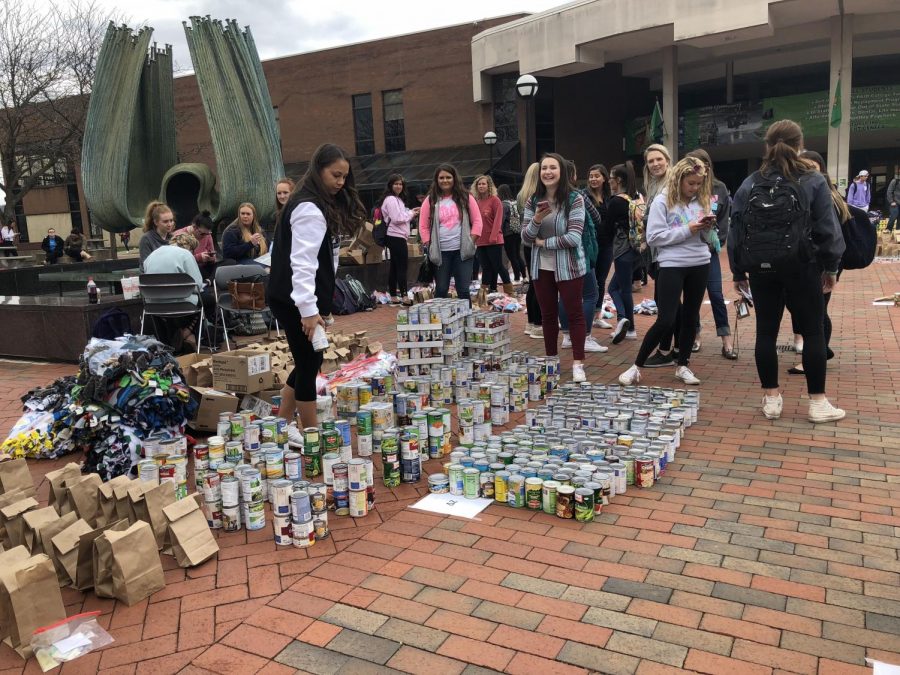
(129, 155)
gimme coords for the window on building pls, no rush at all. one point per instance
(363, 127)
(57, 174)
(506, 124)
(394, 128)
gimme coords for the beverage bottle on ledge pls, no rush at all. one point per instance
(92, 291)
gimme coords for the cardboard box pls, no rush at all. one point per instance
(212, 404)
(243, 371)
(260, 403)
(352, 256)
(197, 370)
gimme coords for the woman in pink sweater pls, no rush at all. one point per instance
(397, 216)
(449, 225)
(490, 243)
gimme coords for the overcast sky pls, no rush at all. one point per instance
(280, 28)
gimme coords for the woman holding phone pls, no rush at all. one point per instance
(678, 226)
(553, 223)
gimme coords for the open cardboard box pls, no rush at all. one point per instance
(212, 404)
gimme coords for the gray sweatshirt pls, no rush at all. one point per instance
(669, 234)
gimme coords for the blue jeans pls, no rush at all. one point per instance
(589, 300)
(716, 297)
(461, 271)
(895, 212)
(604, 263)
(620, 287)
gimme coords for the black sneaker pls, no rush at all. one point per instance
(622, 328)
(658, 360)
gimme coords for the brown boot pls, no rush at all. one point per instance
(509, 289)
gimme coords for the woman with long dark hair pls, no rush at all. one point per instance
(449, 225)
(623, 186)
(597, 192)
(323, 205)
(553, 223)
(398, 217)
(798, 285)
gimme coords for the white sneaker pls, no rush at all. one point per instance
(684, 374)
(295, 436)
(798, 346)
(578, 373)
(591, 345)
(821, 410)
(630, 376)
(567, 341)
(772, 406)
(621, 329)
(631, 335)
(537, 332)
(600, 323)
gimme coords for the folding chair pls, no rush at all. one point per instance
(169, 296)
(227, 273)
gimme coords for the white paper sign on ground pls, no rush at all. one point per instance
(881, 668)
(452, 505)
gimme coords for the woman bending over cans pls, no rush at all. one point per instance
(301, 283)
(678, 227)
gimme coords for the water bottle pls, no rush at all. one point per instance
(92, 291)
(320, 339)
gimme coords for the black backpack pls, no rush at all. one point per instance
(861, 240)
(773, 230)
(343, 301)
(361, 298)
(113, 323)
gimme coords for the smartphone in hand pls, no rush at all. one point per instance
(543, 205)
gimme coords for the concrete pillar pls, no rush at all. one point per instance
(729, 82)
(670, 99)
(841, 67)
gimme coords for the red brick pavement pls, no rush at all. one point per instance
(767, 547)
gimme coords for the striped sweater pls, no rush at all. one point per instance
(570, 262)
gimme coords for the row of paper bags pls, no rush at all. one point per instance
(105, 536)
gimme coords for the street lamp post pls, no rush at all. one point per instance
(490, 140)
(527, 88)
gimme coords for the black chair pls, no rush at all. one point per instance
(169, 296)
(226, 274)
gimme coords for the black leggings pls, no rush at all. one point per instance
(535, 317)
(491, 257)
(512, 244)
(801, 290)
(672, 281)
(399, 263)
(307, 360)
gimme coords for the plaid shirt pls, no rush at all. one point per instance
(570, 262)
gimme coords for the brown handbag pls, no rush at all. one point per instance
(247, 293)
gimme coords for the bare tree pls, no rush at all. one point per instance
(47, 59)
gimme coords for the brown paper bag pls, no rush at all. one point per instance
(107, 507)
(84, 572)
(11, 517)
(102, 565)
(6, 499)
(123, 503)
(31, 598)
(150, 509)
(65, 544)
(59, 498)
(46, 534)
(14, 474)
(136, 569)
(9, 559)
(192, 542)
(85, 498)
(33, 521)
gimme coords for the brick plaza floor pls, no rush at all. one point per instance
(767, 547)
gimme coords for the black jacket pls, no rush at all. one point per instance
(280, 285)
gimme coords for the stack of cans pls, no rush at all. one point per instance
(230, 489)
(312, 453)
(280, 493)
(364, 440)
(340, 478)
(253, 504)
(410, 458)
(390, 457)
(357, 482)
(303, 532)
(318, 497)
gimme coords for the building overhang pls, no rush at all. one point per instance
(587, 34)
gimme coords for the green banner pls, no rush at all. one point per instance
(871, 108)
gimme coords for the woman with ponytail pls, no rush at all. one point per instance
(800, 285)
(623, 186)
